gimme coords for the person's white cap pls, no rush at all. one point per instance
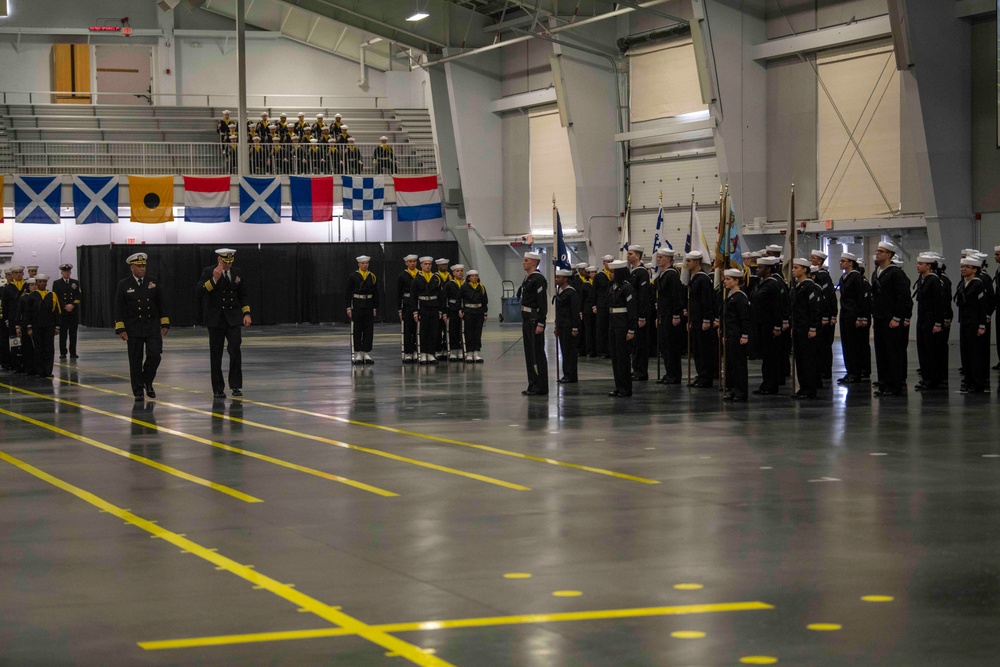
(818, 253)
(426, 259)
(226, 112)
(580, 265)
(849, 255)
(362, 258)
(336, 115)
(733, 273)
(263, 114)
(980, 255)
(137, 258)
(532, 255)
(694, 254)
(637, 249)
(592, 268)
(256, 137)
(617, 264)
(42, 276)
(564, 272)
(228, 254)
(16, 268)
(927, 258)
(968, 251)
(314, 140)
(343, 127)
(898, 261)
(456, 267)
(801, 261)
(331, 140)
(383, 138)
(666, 252)
(885, 245)
(442, 260)
(30, 281)
(282, 115)
(301, 115)
(768, 261)
(971, 261)
(319, 115)
(32, 266)
(351, 140)
(295, 137)
(410, 258)
(813, 269)
(607, 258)
(773, 248)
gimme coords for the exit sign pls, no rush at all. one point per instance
(130, 240)
(105, 28)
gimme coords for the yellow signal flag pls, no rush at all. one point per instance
(151, 198)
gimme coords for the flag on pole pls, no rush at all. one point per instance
(696, 237)
(657, 240)
(36, 199)
(312, 198)
(364, 197)
(418, 199)
(561, 254)
(260, 200)
(95, 199)
(151, 198)
(729, 239)
(788, 251)
(1, 200)
(206, 198)
(626, 225)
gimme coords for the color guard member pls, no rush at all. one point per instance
(475, 307)
(362, 305)
(404, 307)
(735, 334)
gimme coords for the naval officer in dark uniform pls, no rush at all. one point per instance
(891, 306)
(70, 296)
(362, 304)
(704, 343)
(405, 307)
(735, 335)
(671, 300)
(568, 324)
(807, 316)
(142, 322)
(534, 309)
(933, 304)
(225, 309)
(623, 322)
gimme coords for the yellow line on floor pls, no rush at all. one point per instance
(416, 434)
(492, 621)
(211, 443)
(302, 601)
(135, 457)
(319, 438)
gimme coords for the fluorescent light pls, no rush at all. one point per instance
(418, 16)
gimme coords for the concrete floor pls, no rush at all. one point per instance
(435, 516)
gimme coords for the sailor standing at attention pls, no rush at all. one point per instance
(362, 304)
(534, 309)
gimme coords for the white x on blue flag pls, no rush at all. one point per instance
(364, 197)
(95, 199)
(260, 200)
(36, 199)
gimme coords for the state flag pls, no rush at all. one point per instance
(95, 199)
(151, 198)
(364, 197)
(312, 198)
(418, 198)
(37, 198)
(206, 198)
(260, 200)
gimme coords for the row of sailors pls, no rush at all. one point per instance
(293, 157)
(266, 126)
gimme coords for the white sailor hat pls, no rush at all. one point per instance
(456, 267)
(442, 260)
(256, 138)
(971, 261)
(319, 115)
(666, 252)
(733, 273)
(564, 272)
(410, 258)
(607, 258)
(968, 251)
(30, 281)
(16, 268)
(138, 258)
(295, 137)
(818, 253)
(617, 264)
(272, 127)
(336, 115)
(32, 266)
(650, 265)
(42, 276)
(580, 265)
(471, 272)
(637, 249)
(226, 112)
(532, 255)
(426, 259)
(694, 254)
(592, 269)
(351, 141)
(898, 261)
(65, 267)
(885, 245)
(773, 248)
(996, 248)
(331, 140)
(283, 115)
(263, 114)
(768, 261)
(801, 261)
(849, 255)
(343, 127)
(753, 254)
(980, 255)
(383, 138)
(362, 258)
(314, 140)
(813, 269)
(227, 254)
(927, 258)
(301, 115)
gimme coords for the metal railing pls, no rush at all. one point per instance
(124, 158)
(199, 99)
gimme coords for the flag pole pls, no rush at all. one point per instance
(791, 242)
(725, 264)
(717, 275)
(658, 318)
(556, 259)
(687, 313)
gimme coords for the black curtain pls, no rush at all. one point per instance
(285, 282)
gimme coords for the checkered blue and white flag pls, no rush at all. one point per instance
(364, 197)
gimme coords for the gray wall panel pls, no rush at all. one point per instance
(838, 12)
(791, 138)
(985, 155)
(516, 176)
(801, 14)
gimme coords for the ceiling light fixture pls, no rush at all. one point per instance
(417, 16)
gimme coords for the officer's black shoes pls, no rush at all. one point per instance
(996, 367)
(74, 356)
(701, 384)
(731, 396)
(138, 396)
(219, 394)
(888, 392)
(728, 396)
(565, 381)
(62, 356)
(237, 392)
(804, 395)
(640, 378)
(620, 394)
(150, 391)
(535, 392)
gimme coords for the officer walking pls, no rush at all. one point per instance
(404, 307)
(891, 306)
(362, 304)
(42, 315)
(623, 322)
(425, 302)
(700, 318)
(736, 325)
(225, 308)
(475, 307)
(534, 309)
(639, 279)
(932, 339)
(141, 321)
(567, 330)
(671, 300)
(70, 296)
(807, 314)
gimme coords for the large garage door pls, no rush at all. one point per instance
(675, 178)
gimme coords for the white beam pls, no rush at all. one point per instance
(668, 130)
(524, 100)
(860, 31)
(210, 34)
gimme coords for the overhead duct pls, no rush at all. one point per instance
(673, 32)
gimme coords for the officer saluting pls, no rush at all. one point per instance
(141, 321)
(405, 307)
(225, 309)
(534, 309)
(568, 323)
(362, 303)
(70, 296)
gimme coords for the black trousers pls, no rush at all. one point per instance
(473, 332)
(603, 322)
(455, 331)
(849, 341)
(67, 331)
(143, 373)
(705, 348)
(43, 339)
(640, 351)
(786, 350)
(409, 332)
(932, 352)
(864, 347)
(364, 328)
(671, 343)
(826, 336)
(569, 347)
(430, 322)
(25, 361)
(5, 356)
(581, 336)
(230, 337)
(621, 359)
(771, 352)
(534, 356)
(442, 341)
(807, 362)
(890, 355)
(590, 332)
(977, 356)
(736, 368)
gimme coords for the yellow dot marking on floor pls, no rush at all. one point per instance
(758, 660)
(877, 598)
(517, 575)
(688, 587)
(567, 594)
(824, 627)
(687, 634)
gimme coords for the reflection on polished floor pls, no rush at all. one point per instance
(434, 516)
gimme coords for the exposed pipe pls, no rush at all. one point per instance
(363, 81)
(626, 43)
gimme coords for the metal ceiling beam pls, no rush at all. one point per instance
(649, 10)
(816, 40)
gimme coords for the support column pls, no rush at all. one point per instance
(166, 61)
(243, 159)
